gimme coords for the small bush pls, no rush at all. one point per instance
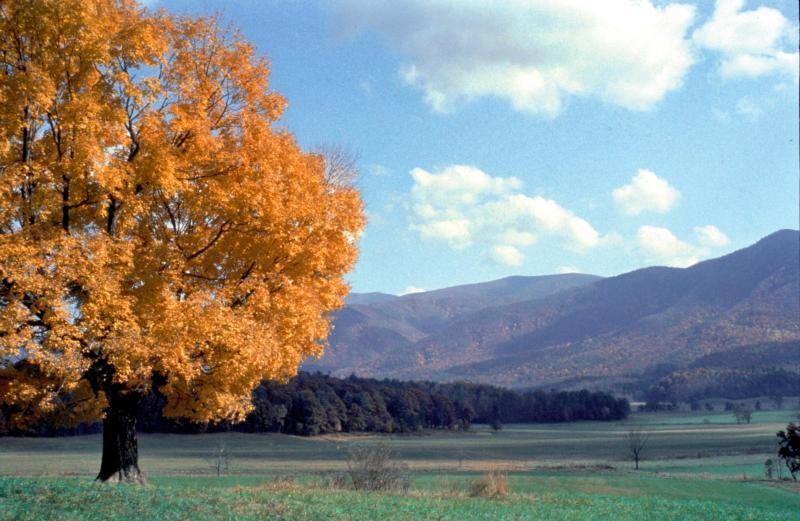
(493, 484)
(372, 467)
(336, 480)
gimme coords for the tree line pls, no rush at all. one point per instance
(312, 404)
(700, 384)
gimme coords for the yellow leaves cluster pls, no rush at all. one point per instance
(152, 220)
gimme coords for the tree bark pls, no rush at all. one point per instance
(120, 461)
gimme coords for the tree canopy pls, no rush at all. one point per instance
(154, 218)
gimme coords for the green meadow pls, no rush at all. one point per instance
(697, 466)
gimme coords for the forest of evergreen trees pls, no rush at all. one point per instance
(312, 404)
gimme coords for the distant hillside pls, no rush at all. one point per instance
(364, 334)
(539, 331)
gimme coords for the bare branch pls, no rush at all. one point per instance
(341, 170)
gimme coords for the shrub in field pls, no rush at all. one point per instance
(493, 484)
(336, 480)
(372, 467)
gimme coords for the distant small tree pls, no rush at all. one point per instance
(729, 406)
(758, 405)
(220, 458)
(743, 413)
(636, 439)
(777, 400)
(694, 405)
(769, 468)
(789, 448)
(709, 406)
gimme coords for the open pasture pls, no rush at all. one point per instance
(697, 466)
(679, 442)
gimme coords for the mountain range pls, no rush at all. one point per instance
(576, 330)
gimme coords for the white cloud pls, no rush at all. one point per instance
(461, 206)
(750, 43)
(455, 232)
(711, 236)
(459, 184)
(568, 269)
(662, 246)
(533, 53)
(517, 238)
(410, 290)
(645, 192)
(506, 255)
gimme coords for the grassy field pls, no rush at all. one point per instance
(698, 466)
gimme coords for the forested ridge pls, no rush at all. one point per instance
(312, 404)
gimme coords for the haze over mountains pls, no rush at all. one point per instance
(574, 329)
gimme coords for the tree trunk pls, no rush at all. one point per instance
(120, 461)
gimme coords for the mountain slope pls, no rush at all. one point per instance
(368, 298)
(608, 328)
(366, 334)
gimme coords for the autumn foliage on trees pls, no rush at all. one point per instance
(154, 221)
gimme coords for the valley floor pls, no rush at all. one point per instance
(697, 466)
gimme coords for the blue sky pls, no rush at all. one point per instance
(535, 137)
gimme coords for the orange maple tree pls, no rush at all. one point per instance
(154, 221)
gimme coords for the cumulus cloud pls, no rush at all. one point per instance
(410, 290)
(459, 184)
(662, 246)
(462, 206)
(750, 43)
(533, 53)
(506, 255)
(711, 236)
(645, 192)
(455, 232)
